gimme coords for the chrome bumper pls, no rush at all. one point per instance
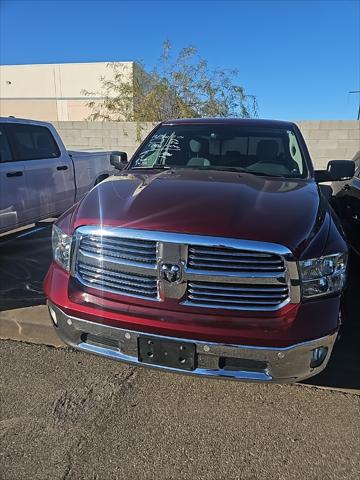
(259, 364)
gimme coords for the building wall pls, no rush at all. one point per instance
(52, 92)
(326, 140)
(331, 140)
(123, 136)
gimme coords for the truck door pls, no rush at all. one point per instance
(12, 187)
(48, 172)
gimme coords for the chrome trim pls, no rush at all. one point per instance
(172, 248)
(124, 283)
(120, 249)
(283, 365)
(117, 263)
(234, 277)
(230, 260)
(186, 239)
(236, 295)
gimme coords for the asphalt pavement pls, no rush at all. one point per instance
(69, 415)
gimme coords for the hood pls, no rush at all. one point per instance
(226, 204)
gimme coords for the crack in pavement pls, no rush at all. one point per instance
(71, 453)
(70, 405)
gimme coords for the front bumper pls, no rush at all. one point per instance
(247, 363)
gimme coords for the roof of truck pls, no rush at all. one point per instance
(244, 122)
(23, 120)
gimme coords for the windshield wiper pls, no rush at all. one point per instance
(156, 166)
(263, 174)
(161, 166)
(244, 170)
(236, 170)
(211, 167)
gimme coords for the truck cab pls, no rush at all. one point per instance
(39, 178)
(212, 252)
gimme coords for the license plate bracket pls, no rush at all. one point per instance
(167, 353)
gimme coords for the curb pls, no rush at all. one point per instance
(31, 324)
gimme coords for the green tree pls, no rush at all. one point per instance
(180, 86)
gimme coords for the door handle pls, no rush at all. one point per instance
(15, 174)
(62, 167)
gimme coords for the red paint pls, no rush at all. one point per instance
(225, 204)
(292, 324)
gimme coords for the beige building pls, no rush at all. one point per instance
(53, 92)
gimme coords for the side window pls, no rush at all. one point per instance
(295, 151)
(30, 142)
(5, 152)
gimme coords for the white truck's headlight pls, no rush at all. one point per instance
(323, 275)
(61, 246)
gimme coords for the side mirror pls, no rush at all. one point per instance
(119, 160)
(337, 170)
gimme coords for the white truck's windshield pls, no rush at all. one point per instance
(270, 151)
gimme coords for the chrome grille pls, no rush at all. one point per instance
(233, 260)
(215, 272)
(237, 295)
(117, 282)
(131, 249)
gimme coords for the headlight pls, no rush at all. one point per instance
(61, 246)
(324, 275)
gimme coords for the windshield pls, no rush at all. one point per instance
(273, 152)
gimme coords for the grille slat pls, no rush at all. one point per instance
(130, 242)
(127, 255)
(119, 288)
(207, 294)
(240, 288)
(193, 293)
(115, 273)
(234, 266)
(128, 249)
(121, 283)
(131, 280)
(222, 302)
(112, 276)
(233, 260)
(228, 252)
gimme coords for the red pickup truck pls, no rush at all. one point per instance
(213, 252)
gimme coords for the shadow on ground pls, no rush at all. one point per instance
(24, 261)
(25, 258)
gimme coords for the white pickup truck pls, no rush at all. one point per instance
(39, 178)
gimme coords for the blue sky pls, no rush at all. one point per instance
(300, 58)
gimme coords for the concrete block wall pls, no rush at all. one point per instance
(326, 140)
(123, 136)
(331, 140)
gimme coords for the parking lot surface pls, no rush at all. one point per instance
(68, 415)
(71, 415)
